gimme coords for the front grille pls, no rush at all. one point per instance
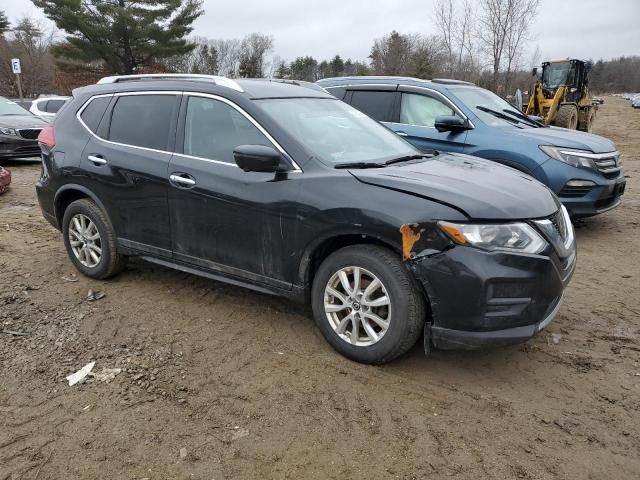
(608, 164)
(559, 223)
(29, 133)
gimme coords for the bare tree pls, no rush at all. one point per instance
(503, 25)
(253, 51)
(455, 25)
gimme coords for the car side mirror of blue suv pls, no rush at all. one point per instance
(450, 123)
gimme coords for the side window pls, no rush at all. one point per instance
(53, 106)
(42, 106)
(422, 110)
(93, 112)
(142, 120)
(214, 129)
(337, 92)
(377, 105)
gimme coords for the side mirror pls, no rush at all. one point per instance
(257, 158)
(534, 72)
(450, 123)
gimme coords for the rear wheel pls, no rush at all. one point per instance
(367, 305)
(567, 117)
(90, 240)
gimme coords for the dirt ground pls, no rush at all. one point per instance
(222, 383)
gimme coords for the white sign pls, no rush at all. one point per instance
(15, 65)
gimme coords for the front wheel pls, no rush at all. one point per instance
(367, 305)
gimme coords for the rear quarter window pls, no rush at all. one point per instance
(93, 112)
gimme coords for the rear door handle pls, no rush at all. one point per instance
(402, 134)
(182, 180)
(97, 160)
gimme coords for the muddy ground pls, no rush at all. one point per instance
(222, 383)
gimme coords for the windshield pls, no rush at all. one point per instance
(479, 97)
(7, 107)
(335, 132)
(556, 74)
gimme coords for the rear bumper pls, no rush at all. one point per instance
(481, 298)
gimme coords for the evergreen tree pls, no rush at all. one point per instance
(4, 23)
(337, 66)
(125, 34)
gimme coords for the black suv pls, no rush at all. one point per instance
(284, 189)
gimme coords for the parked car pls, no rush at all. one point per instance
(636, 102)
(597, 100)
(19, 130)
(285, 190)
(5, 180)
(584, 170)
(47, 107)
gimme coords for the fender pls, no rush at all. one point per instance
(79, 188)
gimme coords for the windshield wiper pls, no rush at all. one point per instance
(530, 121)
(501, 115)
(359, 165)
(405, 158)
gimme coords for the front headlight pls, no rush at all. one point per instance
(8, 131)
(576, 158)
(511, 237)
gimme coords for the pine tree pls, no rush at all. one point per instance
(4, 23)
(125, 34)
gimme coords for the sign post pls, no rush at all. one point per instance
(15, 66)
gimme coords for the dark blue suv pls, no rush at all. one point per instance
(453, 116)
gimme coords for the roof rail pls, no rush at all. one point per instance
(451, 81)
(222, 81)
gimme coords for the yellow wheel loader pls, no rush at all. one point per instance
(561, 97)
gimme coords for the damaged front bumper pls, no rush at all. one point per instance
(481, 298)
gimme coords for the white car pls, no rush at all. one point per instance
(47, 107)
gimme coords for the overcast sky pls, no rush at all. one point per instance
(597, 29)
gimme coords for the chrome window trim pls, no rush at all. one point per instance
(296, 168)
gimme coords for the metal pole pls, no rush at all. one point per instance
(20, 90)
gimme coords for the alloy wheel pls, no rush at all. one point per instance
(357, 306)
(85, 241)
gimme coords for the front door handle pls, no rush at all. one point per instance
(181, 180)
(97, 160)
(402, 134)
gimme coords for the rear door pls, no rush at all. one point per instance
(415, 117)
(126, 162)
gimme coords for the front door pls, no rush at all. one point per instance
(416, 119)
(222, 218)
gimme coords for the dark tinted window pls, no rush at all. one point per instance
(142, 120)
(92, 114)
(375, 104)
(53, 106)
(337, 92)
(213, 129)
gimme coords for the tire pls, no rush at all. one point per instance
(104, 247)
(567, 117)
(405, 311)
(587, 118)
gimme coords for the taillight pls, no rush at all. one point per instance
(47, 137)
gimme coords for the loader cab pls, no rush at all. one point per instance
(569, 73)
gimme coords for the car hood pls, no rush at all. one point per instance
(22, 121)
(561, 137)
(480, 189)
